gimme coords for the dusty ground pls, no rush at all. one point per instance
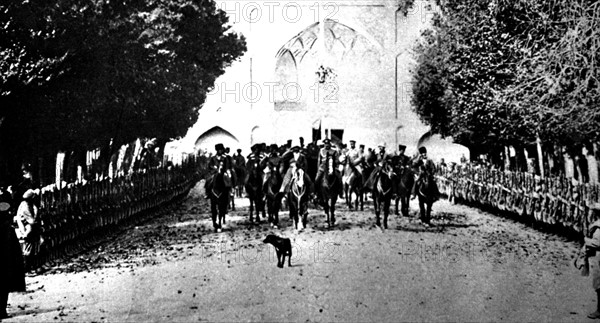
(469, 266)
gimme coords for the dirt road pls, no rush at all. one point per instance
(469, 266)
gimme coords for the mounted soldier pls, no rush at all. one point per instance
(324, 154)
(296, 170)
(382, 161)
(400, 160)
(271, 161)
(239, 166)
(427, 169)
(356, 157)
(219, 163)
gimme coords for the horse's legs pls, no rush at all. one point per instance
(397, 200)
(275, 216)
(304, 212)
(251, 198)
(386, 211)
(377, 210)
(348, 190)
(262, 206)
(429, 212)
(422, 210)
(332, 210)
(362, 201)
(214, 211)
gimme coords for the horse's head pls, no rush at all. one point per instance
(329, 165)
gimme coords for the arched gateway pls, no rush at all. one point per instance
(344, 63)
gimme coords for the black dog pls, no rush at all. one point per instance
(283, 247)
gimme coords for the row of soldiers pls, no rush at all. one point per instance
(551, 200)
(306, 163)
(68, 216)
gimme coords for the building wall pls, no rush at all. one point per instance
(273, 92)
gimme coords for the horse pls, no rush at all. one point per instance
(240, 173)
(427, 194)
(271, 186)
(353, 183)
(298, 202)
(331, 186)
(367, 170)
(382, 195)
(254, 189)
(405, 185)
(218, 193)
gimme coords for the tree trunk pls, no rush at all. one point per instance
(540, 156)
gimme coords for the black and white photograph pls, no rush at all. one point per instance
(299, 161)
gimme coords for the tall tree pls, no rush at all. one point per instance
(80, 74)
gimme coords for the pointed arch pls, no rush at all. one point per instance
(216, 135)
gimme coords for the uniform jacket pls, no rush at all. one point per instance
(289, 157)
(324, 153)
(213, 162)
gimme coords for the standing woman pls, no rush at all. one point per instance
(12, 273)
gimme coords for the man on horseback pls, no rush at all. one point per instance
(383, 162)
(239, 167)
(238, 159)
(297, 169)
(355, 157)
(272, 161)
(327, 152)
(401, 160)
(426, 168)
(219, 162)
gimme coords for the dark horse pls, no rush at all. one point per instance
(254, 189)
(218, 193)
(405, 185)
(331, 186)
(271, 187)
(298, 202)
(382, 195)
(240, 174)
(427, 192)
(353, 183)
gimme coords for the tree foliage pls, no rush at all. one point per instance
(502, 72)
(81, 74)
